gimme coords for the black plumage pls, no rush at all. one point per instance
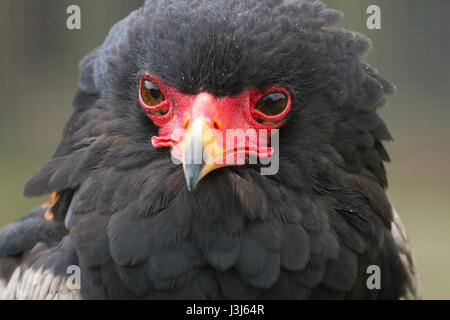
(124, 213)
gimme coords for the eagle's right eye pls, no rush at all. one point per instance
(152, 96)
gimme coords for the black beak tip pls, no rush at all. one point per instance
(192, 175)
(191, 187)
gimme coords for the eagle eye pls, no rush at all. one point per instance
(272, 107)
(272, 104)
(152, 96)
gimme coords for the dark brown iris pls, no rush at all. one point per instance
(150, 93)
(272, 104)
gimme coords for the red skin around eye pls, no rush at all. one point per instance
(225, 113)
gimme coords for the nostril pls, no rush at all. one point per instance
(186, 123)
(217, 124)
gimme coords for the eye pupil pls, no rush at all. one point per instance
(269, 103)
(156, 93)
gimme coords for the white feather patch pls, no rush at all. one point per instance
(413, 290)
(32, 284)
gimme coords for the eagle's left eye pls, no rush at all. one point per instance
(271, 108)
(272, 104)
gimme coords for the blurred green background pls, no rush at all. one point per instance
(38, 79)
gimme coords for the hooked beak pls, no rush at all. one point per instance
(200, 150)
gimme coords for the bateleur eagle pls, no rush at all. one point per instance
(141, 217)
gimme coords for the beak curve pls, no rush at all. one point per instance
(200, 149)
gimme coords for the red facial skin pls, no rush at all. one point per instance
(222, 114)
